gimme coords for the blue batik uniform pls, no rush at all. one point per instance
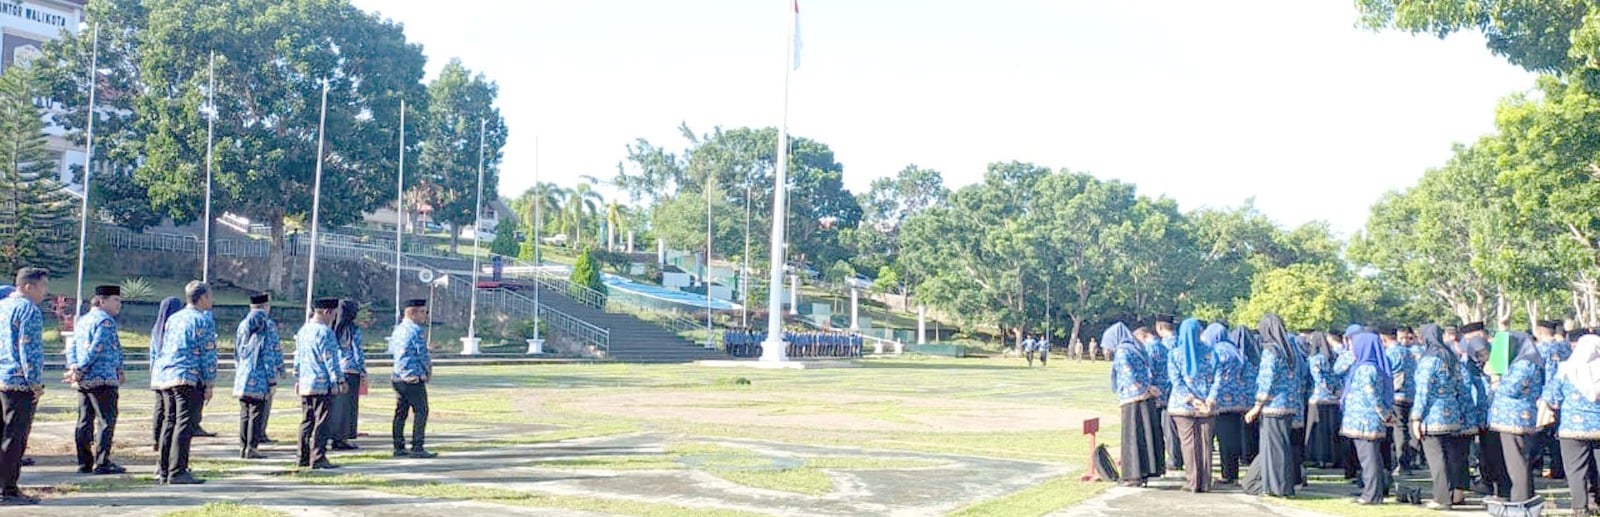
(1131, 377)
(1441, 398)
(1514, 409)
(96, 351)
(1326, 386)
(1580, 417)
(1157, 352)
(272, 352)
(1341, 365)
(1403, 369)
(253, 367)
(352, 359)
(190, 339)
(1230, 389)
(1476, 398)
(1185, 386)
(1366, 405)
(21, 344)
(316, 360)
(409, 347)
(1554, 352)
(1277, 385)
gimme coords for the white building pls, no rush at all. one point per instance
(24, 27)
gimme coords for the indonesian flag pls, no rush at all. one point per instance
(796, 4)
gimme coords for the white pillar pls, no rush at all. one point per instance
(661, 253)
(794, 295)
(922, 324)
(855, 308)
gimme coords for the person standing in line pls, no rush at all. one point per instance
(1555, 349)
(182, 371)
(21, 376)
(1324, 445)
(253, 371)
(352, 363)
(1367, 409)
(1229, 398)
(1513, 414)
(94, 368)
(1404, 390)
(1475, 413)
(1437, 417)
(1249, 344)
(1191, 369)
(413, 367)
(159, 425)
(272, 357)
(318, 378)
(1161, 351)
(1274, 472)
(1574, 395)
(1141, 431)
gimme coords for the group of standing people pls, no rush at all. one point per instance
(747, 343)
(329, 371)
(1372, 401)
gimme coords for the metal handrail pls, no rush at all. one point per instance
(609, 302)
(513, 304)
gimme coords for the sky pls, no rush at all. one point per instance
(1208, 103)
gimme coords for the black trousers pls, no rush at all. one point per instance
(1446, 463)
(1519, 451)
(158, 419)
(1297, 460)
(182, 419)
(16, 409)
(1169, 431)
(266, 410)
(410, 399)
(1230, 442)
(252, 421)
(1492, 465)
(314, 429)
(343, 410)
(96, 406)
(1403, 455)
(1578, 457)
(1374, 475)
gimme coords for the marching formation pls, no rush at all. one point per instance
(744, 343)
(329, 371)
(1375, 402)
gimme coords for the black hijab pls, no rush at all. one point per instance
(1275, 337)
(1528, 349)
(1433, 340)
(1319, 345)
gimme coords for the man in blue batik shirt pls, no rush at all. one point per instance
(184, 374)
(413, 366)
(318, 379)
(21, 376)
(256, 361)
(94, 367)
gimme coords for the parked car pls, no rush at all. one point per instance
(859, 282)
(803, 269)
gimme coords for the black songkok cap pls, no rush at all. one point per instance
(1472, 327)
(260, 299)
(326, 303)
(1551, 325)
(418, 302)
(108, 290)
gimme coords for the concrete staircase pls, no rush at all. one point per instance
(632, 339)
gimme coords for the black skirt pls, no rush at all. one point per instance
(1142, 446)
(1272, 471)
(1322, 434)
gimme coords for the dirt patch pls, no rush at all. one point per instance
(838, 412)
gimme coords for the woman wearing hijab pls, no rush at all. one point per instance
(1514, 411)
(1277, 384)
(1191, 369)
(1324, 446)
(1367, 410)
(343, 409)
(1141, 425)
(1438, 417)
(1229, 397)
(168, 307)
(1302, 394)
(1475, 416)
(1575, 393)
(1249, 344)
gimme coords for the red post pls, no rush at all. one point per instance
(1091, 427)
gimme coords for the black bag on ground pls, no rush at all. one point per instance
(1103, 466)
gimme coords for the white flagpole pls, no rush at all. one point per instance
(211, 122)
(774, 348)
(316, 203)
(538, 220)
(400, 210)
(88, 162)
(710, 180)
(477, 214)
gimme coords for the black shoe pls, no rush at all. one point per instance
(202, 433)
(401, 453)
(343, 446)
(18, 500)
(268, 440)
(109, 469)
(250, 454)
(84, 469)
(302, 464)
(27, 462)
(422, 454)
(184, 478)
(323, 465)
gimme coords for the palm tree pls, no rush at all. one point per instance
(582, 203)
(616, 216)
(546, 199)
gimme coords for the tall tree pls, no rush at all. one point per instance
(1536, 35)
(37, 216)
(460, 104)
(582, 204)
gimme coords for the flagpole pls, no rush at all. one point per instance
(211, 123)
(538, 220)
(774, 348)
(477, 215)
(316, 202)
(399, 210)
(88, 162)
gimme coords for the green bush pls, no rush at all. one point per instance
(137, 289)
(526, 329)
(586, 274)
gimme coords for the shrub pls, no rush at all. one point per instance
(137, 289)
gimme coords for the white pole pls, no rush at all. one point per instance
(710, 177)
(855, 306)
(794, 294)
(88, 162)
(399, 210)
(316, 204)
(477, 214)
(538, 220)
(774, 348)
(211, 126)
(922, 324)
(744, 263)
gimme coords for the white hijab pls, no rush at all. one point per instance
(1583, 368)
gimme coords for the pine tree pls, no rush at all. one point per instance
(38, 218)
(586, 273)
